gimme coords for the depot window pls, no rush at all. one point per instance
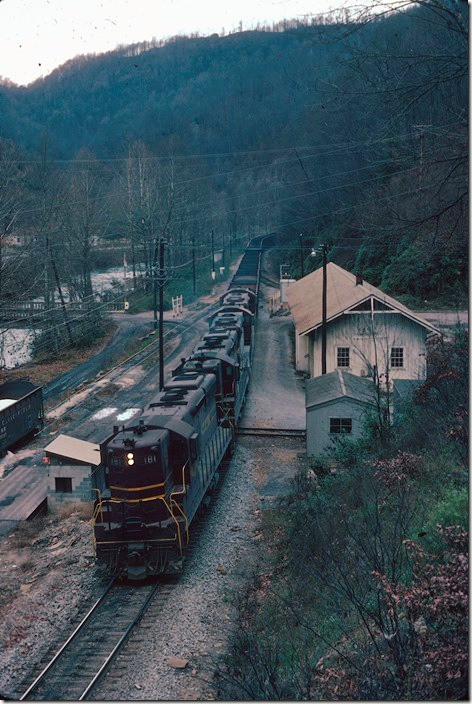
(396, 357)
(343, 357)
(340, 425)
(63, 485)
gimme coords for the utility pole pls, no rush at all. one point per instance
(154, 289)
(223, 253)
(193, 267)
(301, 256)
(323, 312)
(421, 129)
(213, 275)
(161, 314)
(124, 278)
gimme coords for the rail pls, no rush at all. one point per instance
(110, 622)
(272, 432)
(42, 675)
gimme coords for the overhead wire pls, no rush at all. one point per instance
(345, 146)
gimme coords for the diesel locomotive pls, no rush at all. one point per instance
(159, 469)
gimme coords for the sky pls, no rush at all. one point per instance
(36, 36)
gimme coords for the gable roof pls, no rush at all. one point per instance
(339, 384)
(304, 298)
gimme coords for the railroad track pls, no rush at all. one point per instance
(54, 413)
(272, 432)
(89, 652)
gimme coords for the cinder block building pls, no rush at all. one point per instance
(72, 476)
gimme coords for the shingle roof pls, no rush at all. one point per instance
(304, 298)
(75, 449)
(339, 384)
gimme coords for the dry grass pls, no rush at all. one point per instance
(84, 511)
(26, 532)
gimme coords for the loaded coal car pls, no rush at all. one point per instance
(157, 473)
(21, 412)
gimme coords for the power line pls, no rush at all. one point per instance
(205, 155)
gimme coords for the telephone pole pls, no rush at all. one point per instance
(161, 314)
(213, 275)
(323, 312)
(421, 129)
(301, 256)
(193, 267)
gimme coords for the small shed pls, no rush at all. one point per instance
(336, 404)
(73, 476)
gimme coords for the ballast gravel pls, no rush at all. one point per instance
(47, 580)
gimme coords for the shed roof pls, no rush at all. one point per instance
(339, 384)
(304, 298)
(75, 449)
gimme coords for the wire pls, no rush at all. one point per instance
(337, 150)
(350, 145)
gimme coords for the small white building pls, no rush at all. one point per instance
(72, 476)
(338, 405)
(368, 333)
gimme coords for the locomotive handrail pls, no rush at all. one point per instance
(175, 520)
(137, 488)
(93, 520)
(183, 491)
(99, 500)
(184, 516)
(162, 498)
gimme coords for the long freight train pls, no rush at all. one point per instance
(159, 469)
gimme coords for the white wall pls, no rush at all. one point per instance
(302, 353)
(319, 441)
(372, 345)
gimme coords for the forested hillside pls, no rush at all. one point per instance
(353, 133)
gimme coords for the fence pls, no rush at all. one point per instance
(177, 306)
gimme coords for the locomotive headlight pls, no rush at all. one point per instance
(130, 458)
